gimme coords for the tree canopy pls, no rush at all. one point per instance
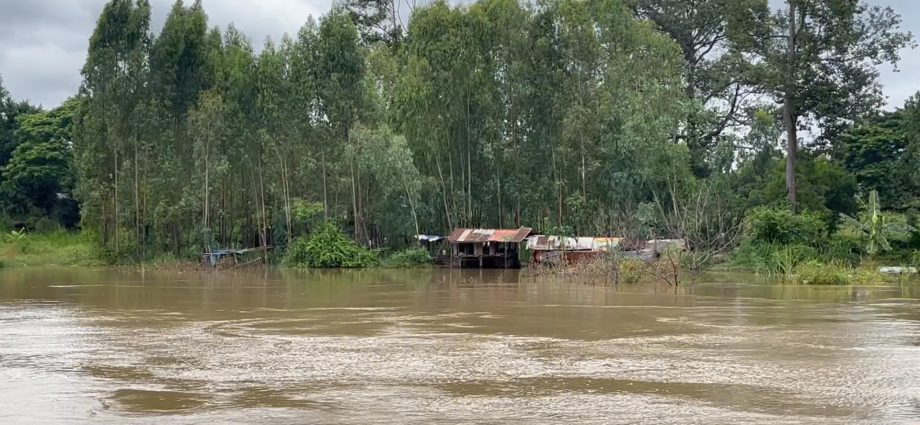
(569, 114)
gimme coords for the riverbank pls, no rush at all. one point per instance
(81, 250)
(673, 269)
(63, 248)
(50, 249)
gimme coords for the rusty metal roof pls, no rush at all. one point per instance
(489, 235)
(559, 243)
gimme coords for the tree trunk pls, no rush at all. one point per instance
(144, 207)
(584, 171)
(498, 193)
(207, 186)
(325, 191)
(789, 115)
(791, 151)
(558, 183)
(286, 192)
(354, 192)
(364, 199)
(412, 207)
(450, 170)
(116, 201)
(287, 200)
(137, 201)
(469, 163)
(264, 231)
(444, 193)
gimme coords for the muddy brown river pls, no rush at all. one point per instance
(434, 346)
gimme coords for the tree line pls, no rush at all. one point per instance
(581, 117)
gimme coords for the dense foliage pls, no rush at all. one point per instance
(654, 118)
(38, 180)
(328, 247)
(408, 258)
(780, 226)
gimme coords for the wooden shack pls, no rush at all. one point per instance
(487, 248)
(436, 247)
(561, 250)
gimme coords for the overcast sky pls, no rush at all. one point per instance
(43, 42)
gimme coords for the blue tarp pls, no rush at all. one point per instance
(429, 238)
(216, 256)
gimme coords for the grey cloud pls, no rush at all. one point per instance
(43, 42)
(899, 86)
(42, 46)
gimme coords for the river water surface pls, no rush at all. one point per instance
(436, 346)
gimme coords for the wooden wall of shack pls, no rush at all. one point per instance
(487, 248)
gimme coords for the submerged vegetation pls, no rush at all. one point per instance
(330, 247)
(640, 119)
(409, 258)
(815, 273)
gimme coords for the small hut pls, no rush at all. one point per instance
(436, 247)
(569, 250)
(487, 248)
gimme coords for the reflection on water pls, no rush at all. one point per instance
(386, 346)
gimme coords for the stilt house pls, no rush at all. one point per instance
(487, 248)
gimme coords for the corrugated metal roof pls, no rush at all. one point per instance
(661, 245)
(559, 243)
(489, 235)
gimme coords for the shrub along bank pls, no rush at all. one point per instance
(409, 258)
(809, 250)
(804, 248)
(328, 247)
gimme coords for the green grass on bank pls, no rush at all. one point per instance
(814, 273)
(59, 248)
(63, 248)
(829, 265)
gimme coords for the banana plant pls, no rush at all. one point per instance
(874, 226)
(16, 235)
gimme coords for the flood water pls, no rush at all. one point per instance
(435, 346)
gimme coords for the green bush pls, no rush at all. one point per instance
(773, 258)
(779, 258)
(408, 258)
(781, 226)
(842, 248)
(328, 247)
(787, 258)
(296, 254)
